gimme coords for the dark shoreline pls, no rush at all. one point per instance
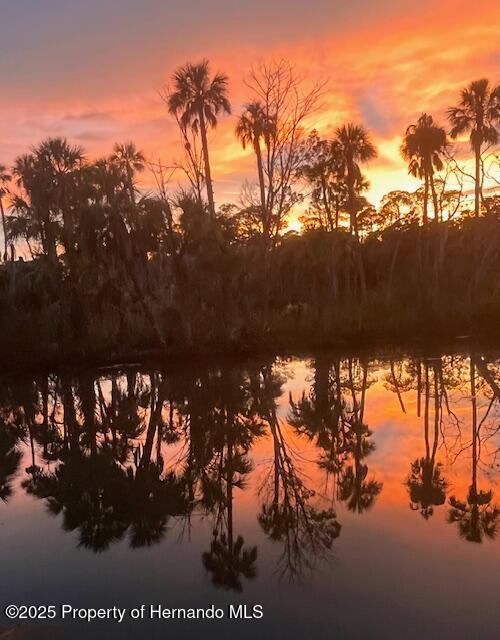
(236, 354)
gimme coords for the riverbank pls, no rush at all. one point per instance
(312, 292)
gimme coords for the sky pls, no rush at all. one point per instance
(92, 70)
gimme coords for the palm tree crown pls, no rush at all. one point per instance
(422, 146)
(195, 93)
(129, 161)
(478, 112)
(354, 146)
(127, 156)
(253, 124)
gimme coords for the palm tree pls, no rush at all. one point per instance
(35, 209)
(129, 160)
(5, 178)
(196, 101)
(422, 145)
(253, 126)
(354, 146)
(60, 163)
(478, 112)
(50, 177)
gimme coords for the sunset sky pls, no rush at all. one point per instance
(91, 70)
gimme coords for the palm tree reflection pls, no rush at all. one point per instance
(10, 458)
(426, 485)
(333, 415)
(288, 515)
(475, 516)
(233, 428)
(122, 456)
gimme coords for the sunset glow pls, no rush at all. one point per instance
(383, 64)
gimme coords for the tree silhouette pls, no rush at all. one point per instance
(254, 125)
(5, 178)
(321, 416)
(197, 99)
(90, 494)
(476, 516)
(478, 113)
(324, 170)
(152, 500)
(227, 561)
(287, 105)
(291, 514)
(234, 430)
(354, 489)
(422, 146)
(53, 188)
(105, 492)
(354, 147)
(426, 485)
(129, 160)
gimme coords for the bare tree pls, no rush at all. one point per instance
(286, 106)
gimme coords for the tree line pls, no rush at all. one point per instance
(116, 269)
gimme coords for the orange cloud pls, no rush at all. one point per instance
(383, 68)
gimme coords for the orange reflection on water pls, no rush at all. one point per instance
(297, 451)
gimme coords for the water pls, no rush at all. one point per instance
(348, 497)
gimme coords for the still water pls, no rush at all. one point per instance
(349, 497)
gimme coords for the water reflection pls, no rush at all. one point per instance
(426, 484)
(476, 516)
(123, 454)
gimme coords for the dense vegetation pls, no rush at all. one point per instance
(116, 271)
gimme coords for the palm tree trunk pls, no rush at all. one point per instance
(262, 186)
(208, 175)
(419, 388)
(326, 204)
(352, 198)
(130, 186)
(436, 413)
(426, 410)
(70, 415)
(477, 194)
(426, 198)
(49, 241)
(88, 402)
(4, 226)
(276, 497)
(474, 424)
(229, 485)
(434, 196)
